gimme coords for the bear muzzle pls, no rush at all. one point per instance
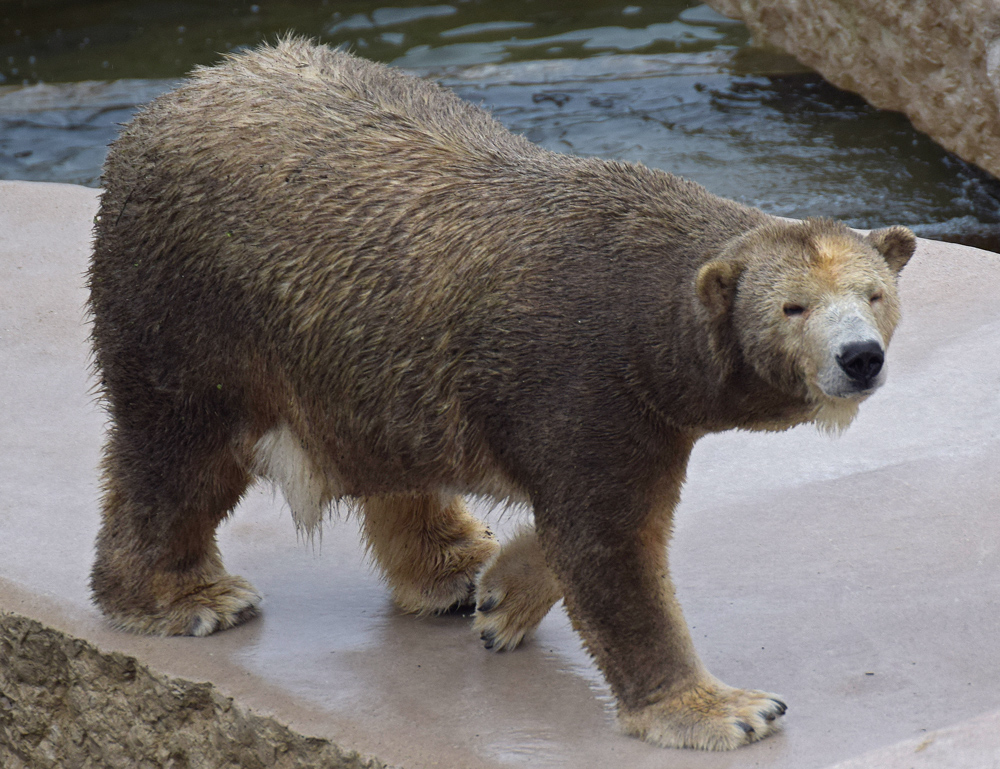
(850, 350)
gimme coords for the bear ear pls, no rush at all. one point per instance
(896, 244)
(716, 285)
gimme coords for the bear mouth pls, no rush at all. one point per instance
(854, 393)
(834, 415)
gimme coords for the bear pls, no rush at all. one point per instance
(317, 270)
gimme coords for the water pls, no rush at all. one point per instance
(674, 86)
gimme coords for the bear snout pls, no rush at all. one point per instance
(862, 362)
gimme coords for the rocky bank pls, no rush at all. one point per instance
(939, 63)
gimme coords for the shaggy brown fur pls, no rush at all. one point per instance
(317, 269)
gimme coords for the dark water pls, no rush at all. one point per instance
(672, 85)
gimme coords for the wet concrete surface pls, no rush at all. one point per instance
(858, 576)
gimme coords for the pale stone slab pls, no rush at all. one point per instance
(974, 744)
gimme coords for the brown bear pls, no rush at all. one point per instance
(316, 269)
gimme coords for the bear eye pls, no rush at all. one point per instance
(793, 310)
(876, 297)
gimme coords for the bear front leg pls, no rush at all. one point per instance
(610, 557)
(691, 708)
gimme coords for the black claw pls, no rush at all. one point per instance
(746, 727)
(489, 644)
(246, 614)
(767, 716)
(488, 605)
(458, 609)
(782, 707)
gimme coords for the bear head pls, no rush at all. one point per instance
(810, 306)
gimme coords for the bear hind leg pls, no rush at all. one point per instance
(158, 570)
(429, 547)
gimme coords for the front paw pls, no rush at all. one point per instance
(504, 619)
(708, 715)
(514, 593)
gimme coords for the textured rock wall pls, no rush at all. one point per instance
(937, 62)
(66, 705)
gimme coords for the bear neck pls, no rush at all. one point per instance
(688, 368)
(691, 382)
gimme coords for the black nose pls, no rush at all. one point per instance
(861, 361)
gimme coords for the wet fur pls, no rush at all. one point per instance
(316, 269)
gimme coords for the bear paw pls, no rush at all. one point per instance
(429, 548)
(448, 583)
(503, 620)
(443, 597)
(205, 609)
(707, 716)
(515, 592)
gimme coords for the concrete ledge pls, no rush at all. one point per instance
(859, 577)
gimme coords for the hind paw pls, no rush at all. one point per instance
(198, 611)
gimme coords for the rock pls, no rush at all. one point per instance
(64, 703)
(938, 63)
